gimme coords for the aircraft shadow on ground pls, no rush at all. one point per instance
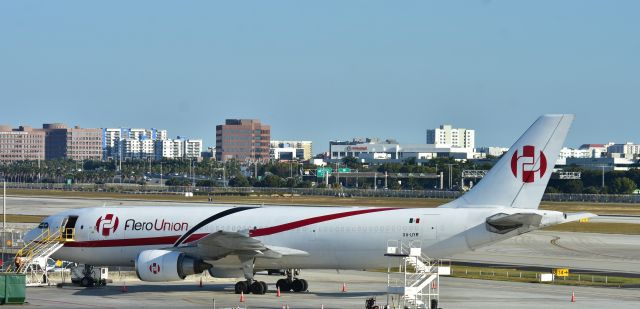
(112, 290)
(166, 288)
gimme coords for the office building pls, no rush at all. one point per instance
(291, 150)
(447, 136)
(72, 143)
(23, 143)
(243, 139)
(393, 152)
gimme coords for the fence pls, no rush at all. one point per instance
(346, 192)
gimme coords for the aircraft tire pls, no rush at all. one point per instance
(297, 285)
(284, 285)
(257, 288)
(266, 287)
(240, 287)
(305, 284)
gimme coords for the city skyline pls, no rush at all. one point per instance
(344, 70)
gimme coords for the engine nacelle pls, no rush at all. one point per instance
(165, 265)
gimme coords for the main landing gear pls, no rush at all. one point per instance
(292, 282)
(250, 285)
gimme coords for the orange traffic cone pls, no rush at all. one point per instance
(242, 297)
(200, 282)
(344, 287)
(434, 285)
(573, 296)
(124, 286)
(278, 291)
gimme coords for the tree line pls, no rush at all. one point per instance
(211, 173)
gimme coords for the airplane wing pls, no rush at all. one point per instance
(223, 243)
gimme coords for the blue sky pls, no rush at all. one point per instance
(324, 70)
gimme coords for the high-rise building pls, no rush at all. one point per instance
(138, 148)
(72, 143)
(447, 136)
(290, 150)
(243, 139)
(192, 148)
(628, 150)
(168, 148)
(114, 138)
(21, 144)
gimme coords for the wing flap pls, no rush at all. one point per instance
(222, 243)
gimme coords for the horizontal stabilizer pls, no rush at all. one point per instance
(577, 216)
(503, 223)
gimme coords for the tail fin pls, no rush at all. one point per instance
(520, 177)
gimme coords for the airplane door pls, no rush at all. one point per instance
(68, 227)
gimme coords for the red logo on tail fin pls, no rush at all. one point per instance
(528, 164)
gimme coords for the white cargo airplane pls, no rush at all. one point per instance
(169, 243)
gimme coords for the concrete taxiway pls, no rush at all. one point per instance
(325, 291)
(598, 252)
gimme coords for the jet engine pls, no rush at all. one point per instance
(165, 265)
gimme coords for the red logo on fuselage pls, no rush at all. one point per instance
(108, 224)
(154, 268)
(528, 164)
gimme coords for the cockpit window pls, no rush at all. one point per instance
(43, 225)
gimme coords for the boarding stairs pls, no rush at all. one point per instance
(32, 259)
(415, 279)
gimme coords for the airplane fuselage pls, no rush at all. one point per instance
(333, 237)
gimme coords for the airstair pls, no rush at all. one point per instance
(413, 278)
(32, 259)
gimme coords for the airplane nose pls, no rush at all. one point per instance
(31, 235)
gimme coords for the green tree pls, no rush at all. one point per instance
(239, 181)
(571, 186)
(351, 162)
(623, 185)
(551, 190)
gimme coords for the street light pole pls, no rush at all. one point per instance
(4, 217)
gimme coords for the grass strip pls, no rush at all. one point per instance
(515, 275)
(597, 227)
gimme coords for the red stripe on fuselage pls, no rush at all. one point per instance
(300, 223)
(169, 240)
(147, 241)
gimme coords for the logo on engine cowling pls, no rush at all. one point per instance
(530, 163)
(107, 224)
(154, 268)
